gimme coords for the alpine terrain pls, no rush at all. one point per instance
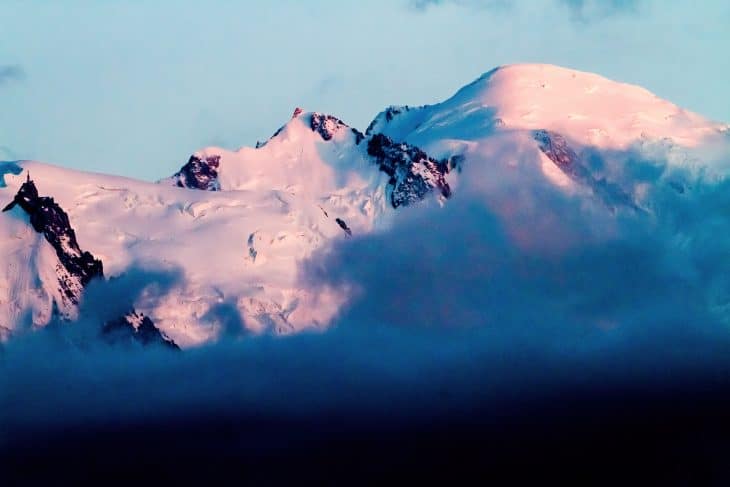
(234, 227)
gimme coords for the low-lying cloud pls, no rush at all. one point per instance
(513, 287)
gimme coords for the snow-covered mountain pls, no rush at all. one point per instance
(235, 226)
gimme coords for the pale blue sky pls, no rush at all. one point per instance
(133, 87)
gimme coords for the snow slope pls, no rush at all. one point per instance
(237, 225)
(239, 247)
(513, 114)
(591, 109)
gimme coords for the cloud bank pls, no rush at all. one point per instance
(513, 287)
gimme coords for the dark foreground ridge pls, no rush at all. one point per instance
(78, 268)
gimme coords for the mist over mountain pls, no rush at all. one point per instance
(544, 231)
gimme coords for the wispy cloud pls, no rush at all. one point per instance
(579, 10)
(588, 10)
(422, 5)
(329, 84)
(11, 72)
(6, 153)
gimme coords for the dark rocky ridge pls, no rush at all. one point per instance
(344, 226)
(48, 218)
(145, 333)
(199, 173)
(327, 126)
(78, 268)
(413, 174)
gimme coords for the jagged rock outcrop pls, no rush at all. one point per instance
(344, 226)
(78, 268)
(135, 328)
(199, 173)
(327, 126)
(413, 174)
(48, 218)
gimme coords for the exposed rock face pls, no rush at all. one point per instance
(77, 268)
(412, 173)
(136, 328)
(326, 125)
(556, 148)
(344, 226)
(48, 218)
(252, 252)
(199, 173)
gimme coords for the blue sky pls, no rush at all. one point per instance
(132, 88)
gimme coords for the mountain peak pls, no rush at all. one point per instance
(313, 152)
(586, 107)
(328, 126)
